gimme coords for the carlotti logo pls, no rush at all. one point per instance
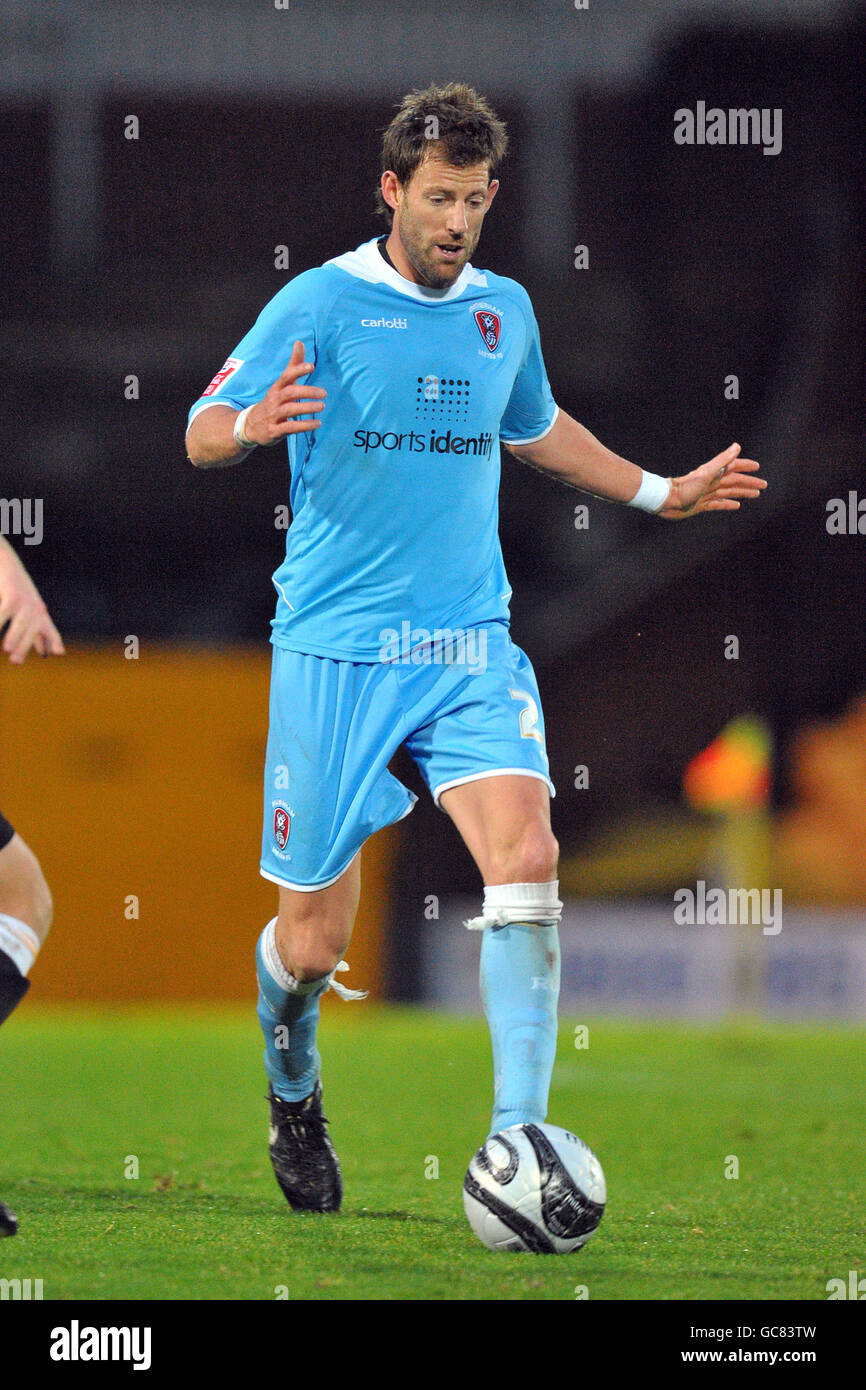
(489, 325)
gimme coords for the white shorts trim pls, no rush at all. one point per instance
(493, 772)
(329, 882)
(307, 887)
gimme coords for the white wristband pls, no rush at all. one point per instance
(652, 493)
(238, 431)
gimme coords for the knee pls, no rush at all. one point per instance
(43, 905)
(312, 947)
(314, 964)
(534, 858)
(24, 892)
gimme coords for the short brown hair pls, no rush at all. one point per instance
(467, 131)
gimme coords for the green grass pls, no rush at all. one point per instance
(663, 1106)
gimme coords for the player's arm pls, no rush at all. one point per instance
(21, 606)
(574, 456)
(216, 438)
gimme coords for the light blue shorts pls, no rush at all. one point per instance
(466, 707)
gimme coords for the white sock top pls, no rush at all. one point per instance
(275, 968)
(19, 941)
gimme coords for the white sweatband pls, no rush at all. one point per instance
(238, 431)
(652, 493)
(518, 902)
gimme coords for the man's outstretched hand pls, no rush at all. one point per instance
(717, 486)
(29, 625)
(274, 416)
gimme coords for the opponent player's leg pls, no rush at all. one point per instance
(25, 904)
(25, 917)
(505, 823)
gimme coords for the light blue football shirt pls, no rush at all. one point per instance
(395, 498)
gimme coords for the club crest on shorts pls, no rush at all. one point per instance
(282, 826)
(489, 325)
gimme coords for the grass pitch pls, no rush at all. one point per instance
(175, 1095)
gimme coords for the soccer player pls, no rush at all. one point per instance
(406, 368)
(25, 901)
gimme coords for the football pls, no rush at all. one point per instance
(534, 1187)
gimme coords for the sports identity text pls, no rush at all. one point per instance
(418, 442)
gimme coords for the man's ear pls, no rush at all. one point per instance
(391, 189)
(492, 189)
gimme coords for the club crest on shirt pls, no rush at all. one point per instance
(489, 325)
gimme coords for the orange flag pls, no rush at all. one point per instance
(733, 773)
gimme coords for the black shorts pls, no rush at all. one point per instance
(6, 831)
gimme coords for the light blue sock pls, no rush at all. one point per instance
(520, 989)
(288, 1011)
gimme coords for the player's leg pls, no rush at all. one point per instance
(481, 751)
(334, 725)
(25, 917)
(297, 954)
(505, 823)
(296, 957)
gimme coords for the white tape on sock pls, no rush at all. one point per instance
(518, 902)
(286, 980)
(275, 968)
(19, 941)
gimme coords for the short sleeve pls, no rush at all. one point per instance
(264, 352)
(531, 409)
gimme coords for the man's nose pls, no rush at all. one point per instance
(458, 222)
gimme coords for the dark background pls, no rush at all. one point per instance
(260, 128)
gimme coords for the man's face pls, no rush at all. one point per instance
(438, 216)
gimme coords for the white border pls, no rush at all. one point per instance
(493, 772)
(315, 887)
(535, 439)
